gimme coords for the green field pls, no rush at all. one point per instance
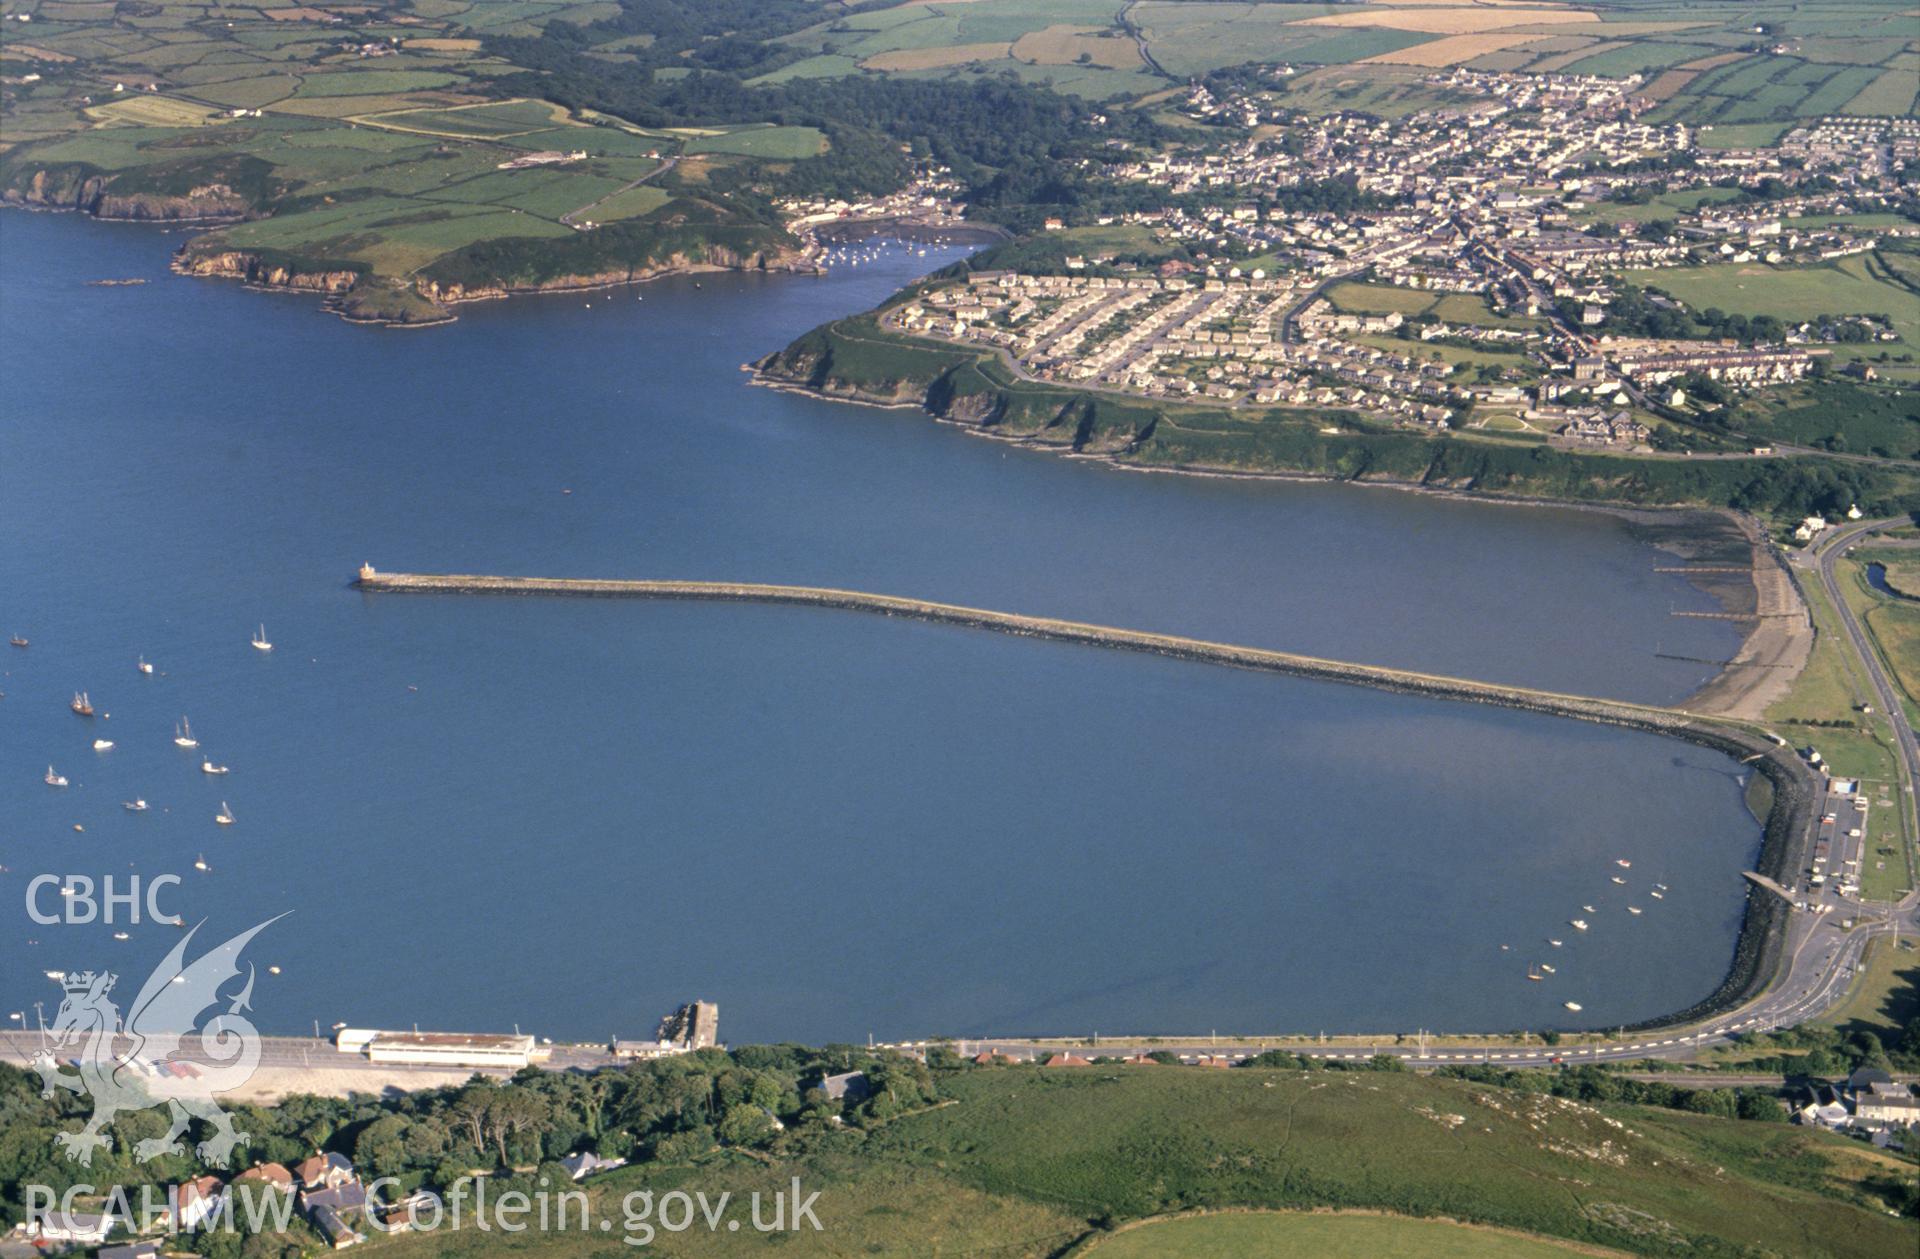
(1855, 285)
(1024, 1161)
(781, 143)
(1322, 1237)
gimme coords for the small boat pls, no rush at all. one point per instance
(273, 970)
(1574, 1006)
(18, 641)
(1659, 896)
(143, 666)
(1617, 879)
(183, 735)
(225, 815)
(81, 705)
(102, 745)
(54, 780)
(134, 806)
(200, 862)
(1623, 863)
(260, 638)
(1661, 886)
(1578, 924)
(208, 767)
(1633, 909)
(121, 935)
(1590, 909)
(1553, 942)
(1547, 968)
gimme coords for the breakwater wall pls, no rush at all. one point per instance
(1788, 828)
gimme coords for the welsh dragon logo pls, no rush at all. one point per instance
(148, 1074)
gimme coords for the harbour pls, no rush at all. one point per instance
(852, 764)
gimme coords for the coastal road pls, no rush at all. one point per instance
(1824, 557)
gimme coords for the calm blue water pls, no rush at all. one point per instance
(573, 815)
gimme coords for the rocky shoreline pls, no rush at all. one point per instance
(427, 303)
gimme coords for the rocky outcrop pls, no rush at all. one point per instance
(715, 257)
(75, 188)
(252, 268)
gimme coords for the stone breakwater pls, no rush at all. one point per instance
(1788, 828)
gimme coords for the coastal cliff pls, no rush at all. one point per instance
(620, 253)
(73, 189)
(220, 189)
(254, 268)
(711, 257)
(857, 360)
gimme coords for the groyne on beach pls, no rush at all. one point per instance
(1787, 829)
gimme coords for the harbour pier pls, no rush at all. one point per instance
(1789, 826)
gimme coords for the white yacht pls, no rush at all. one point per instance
(134, 806)
(260, 638)
(183, 735)
(225, 815)
(1578, 924)
(143, 666)
(208, 767)
(54, 780)
(1574, 1006)
(102, 745)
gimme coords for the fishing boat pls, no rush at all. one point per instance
(183, 735)
(54, 780)
(1633, 909)
(225, 815)
(143, 666)
(1578, 924)
(134, 806)
(1574, 1006)
(1533, 973)
(18, 641)
(81, 705)
(1623, 863)
(102, 745)
(260, 638)
(208, 767)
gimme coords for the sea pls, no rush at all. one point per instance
(569, 815)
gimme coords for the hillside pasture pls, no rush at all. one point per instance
(1324, 1236)
(1453, 50)
(145, 109)
(934, 58)
(777, 143)
(1437, 20)
(1066, 45)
